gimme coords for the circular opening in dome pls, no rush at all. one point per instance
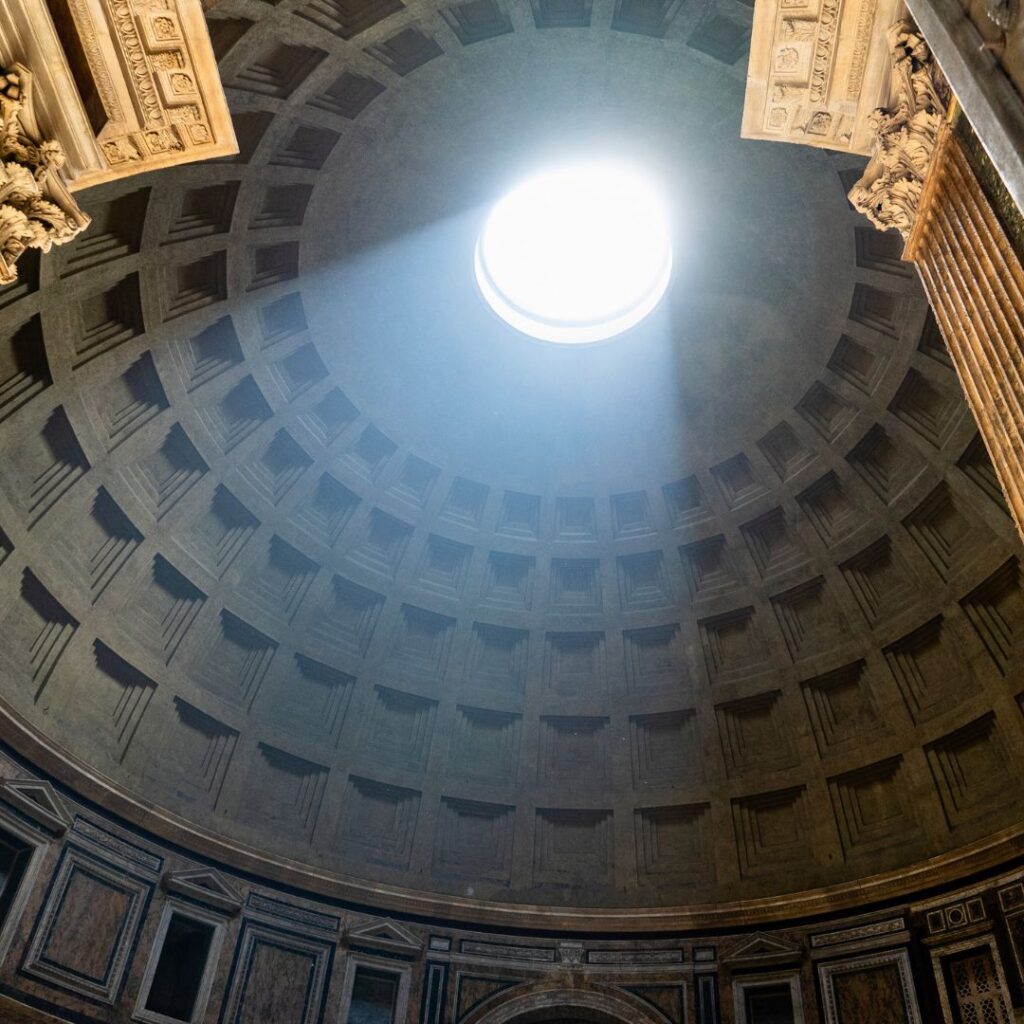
(577, 254)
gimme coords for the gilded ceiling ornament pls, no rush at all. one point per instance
(36, 209)
(905, 134)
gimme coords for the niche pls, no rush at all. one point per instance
(772, 1004)
(375, 996)
(773, 999)
(15, 855)
(177, 983)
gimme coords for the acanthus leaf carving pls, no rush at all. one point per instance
(889, 191)
(36, 209)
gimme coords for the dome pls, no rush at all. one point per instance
(314, 566)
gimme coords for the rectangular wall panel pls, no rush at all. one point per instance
(85, 935)
(876, 988)
(277, 976)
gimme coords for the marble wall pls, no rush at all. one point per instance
(103, 923)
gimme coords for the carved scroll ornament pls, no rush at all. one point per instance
(36, 209)
(889, 191)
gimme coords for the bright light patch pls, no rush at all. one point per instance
(578, 254)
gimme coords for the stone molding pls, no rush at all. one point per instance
(384, 935)
(38, 801)
(204, 886)
(613, 1005)
(760, 949)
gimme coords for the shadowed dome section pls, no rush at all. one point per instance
(309, 564)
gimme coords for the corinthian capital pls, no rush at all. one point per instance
(905, 135)
(36, 209)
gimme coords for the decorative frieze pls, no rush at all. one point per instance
(817, 69)
(635, 957)
(143, 94)
(537, 954)
(876, 929)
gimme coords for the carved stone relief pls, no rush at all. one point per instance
(145, 95)
(817, 67)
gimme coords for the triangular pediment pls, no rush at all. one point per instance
(204, 885)
(384, 935)
(38, 801)
(762, 948)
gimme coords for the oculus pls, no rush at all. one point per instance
(577, 254)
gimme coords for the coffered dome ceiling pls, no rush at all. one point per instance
(313, 565)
